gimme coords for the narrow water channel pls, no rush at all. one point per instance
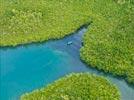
(28, 67)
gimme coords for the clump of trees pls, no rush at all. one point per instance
(29, 21)
(130, 75)
(80, 86)
(109, 44)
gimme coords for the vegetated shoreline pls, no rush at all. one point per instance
(108, 46)
(81, 86)
(86, 25)
(28, 21)
(119, 77)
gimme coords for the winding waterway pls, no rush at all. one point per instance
(28, 67)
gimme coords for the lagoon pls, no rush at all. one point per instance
(28, 67)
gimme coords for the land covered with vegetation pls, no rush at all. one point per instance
(26, 21)
(82, 86)
(108, 43)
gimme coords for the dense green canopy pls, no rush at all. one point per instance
(109, 43)
(26, 21)
(81, 86)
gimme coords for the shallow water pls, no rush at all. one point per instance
(25, 68)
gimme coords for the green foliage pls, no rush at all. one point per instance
(81, 86)
(130, 75)
(109, 44)
(26, 21)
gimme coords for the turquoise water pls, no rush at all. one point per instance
(28, 67)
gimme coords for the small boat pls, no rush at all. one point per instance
(69, 43)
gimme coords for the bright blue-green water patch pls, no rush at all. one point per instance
(25, 68)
